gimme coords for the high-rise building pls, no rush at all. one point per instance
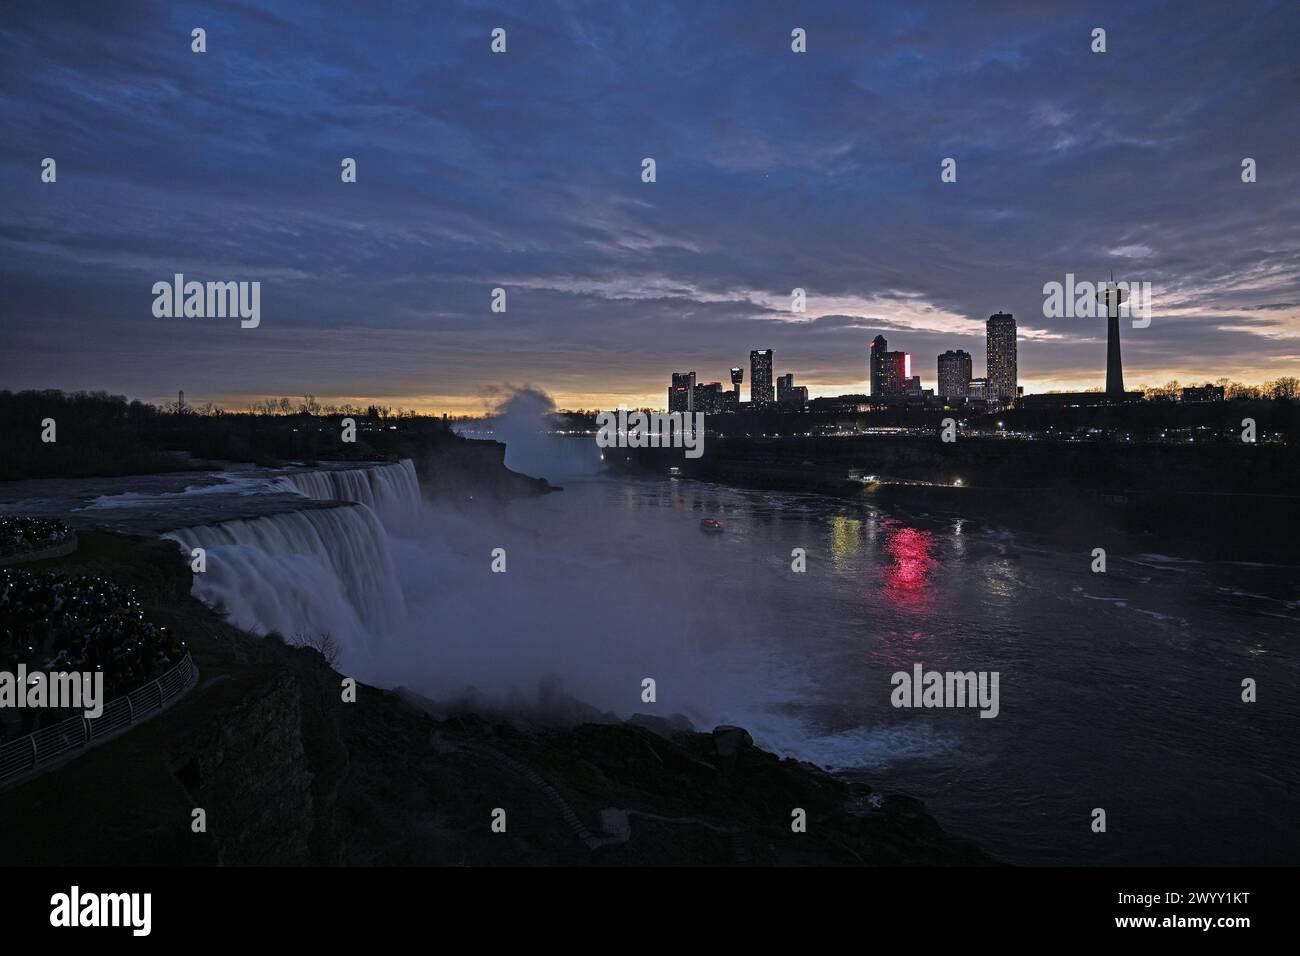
(876, 366)
(1000, 356)
(954, 374)
(737, 376)
(681, 394)
(978, 389)
(708, 398)
(897, 374)
(787, 393)
(760, 377)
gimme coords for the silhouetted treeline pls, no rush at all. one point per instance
(53, 434)
(56, 434)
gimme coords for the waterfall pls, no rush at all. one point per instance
(309, 572)
(392, 491)
(553, 456)
(315, 571)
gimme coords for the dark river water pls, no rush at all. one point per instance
(1120, 691)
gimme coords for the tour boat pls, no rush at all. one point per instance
(711, 524)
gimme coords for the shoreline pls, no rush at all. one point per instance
(1074, 498)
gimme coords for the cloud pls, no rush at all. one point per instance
(775, 171)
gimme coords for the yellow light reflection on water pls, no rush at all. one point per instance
(846, 541)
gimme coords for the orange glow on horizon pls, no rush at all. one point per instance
(482, 404)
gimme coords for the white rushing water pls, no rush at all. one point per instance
(391, 491)
(408, 592)
(319, 571)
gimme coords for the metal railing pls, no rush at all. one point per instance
(24, 756)
(19, 553)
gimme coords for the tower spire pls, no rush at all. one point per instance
(1111, 297)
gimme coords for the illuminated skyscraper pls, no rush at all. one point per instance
(681, 394)
(760, 377)
(708, 397)
(876, 366)
(1000, 345)
(954, 374)
(898, 374)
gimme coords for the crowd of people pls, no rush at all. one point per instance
(30, 534)
(53, 622)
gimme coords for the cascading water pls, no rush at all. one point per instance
(393, 491)
(585, 611)
(317, 571)
(554, 457)
(302, 574)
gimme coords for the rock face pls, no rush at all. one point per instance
(729, 740)
(457, 469)
(287, 773)
(253, 778)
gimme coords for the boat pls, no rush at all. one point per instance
(712, 524)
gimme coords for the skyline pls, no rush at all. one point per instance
(775, 171)
(1112, 368)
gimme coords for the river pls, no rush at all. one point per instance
(1120, 691)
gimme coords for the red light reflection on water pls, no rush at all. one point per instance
(908, 562)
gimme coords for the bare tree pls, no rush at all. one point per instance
(323, 643)
(1285, 387)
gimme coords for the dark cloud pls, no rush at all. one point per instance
(775, 171)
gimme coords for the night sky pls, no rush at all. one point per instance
(775, 170)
